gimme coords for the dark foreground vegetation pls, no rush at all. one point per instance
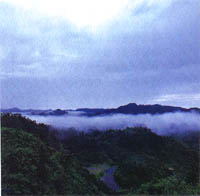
(40, 161)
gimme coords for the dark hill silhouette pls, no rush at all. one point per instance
(131, 108)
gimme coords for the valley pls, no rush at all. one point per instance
(129, 161)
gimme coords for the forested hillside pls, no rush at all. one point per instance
(34, 163)
(37, 160)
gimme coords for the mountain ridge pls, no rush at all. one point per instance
(131, 108)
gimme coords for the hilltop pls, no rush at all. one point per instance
(131, 108)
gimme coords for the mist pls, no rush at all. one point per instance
(162, 124)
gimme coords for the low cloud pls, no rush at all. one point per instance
(161, 124)
(178, 99)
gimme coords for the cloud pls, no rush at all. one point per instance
(87, 13)
(162, 124)
(178, 99)
(151, 50)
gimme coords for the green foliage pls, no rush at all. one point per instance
(40, 130)
(132, 174)
(141, 156)
(169, 186)
(30, 166)
(38, 161)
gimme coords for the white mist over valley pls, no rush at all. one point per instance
(161, 124)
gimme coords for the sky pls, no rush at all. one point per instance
(99, 53)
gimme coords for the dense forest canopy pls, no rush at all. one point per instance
(37, 159)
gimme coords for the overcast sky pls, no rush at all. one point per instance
(98, 53)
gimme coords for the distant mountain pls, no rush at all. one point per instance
(91, 110)
(131, 108)
(10, 110)
(56, 112)
(17, 110)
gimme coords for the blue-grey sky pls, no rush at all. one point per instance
(83, 53)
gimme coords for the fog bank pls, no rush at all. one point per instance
(161, 123)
